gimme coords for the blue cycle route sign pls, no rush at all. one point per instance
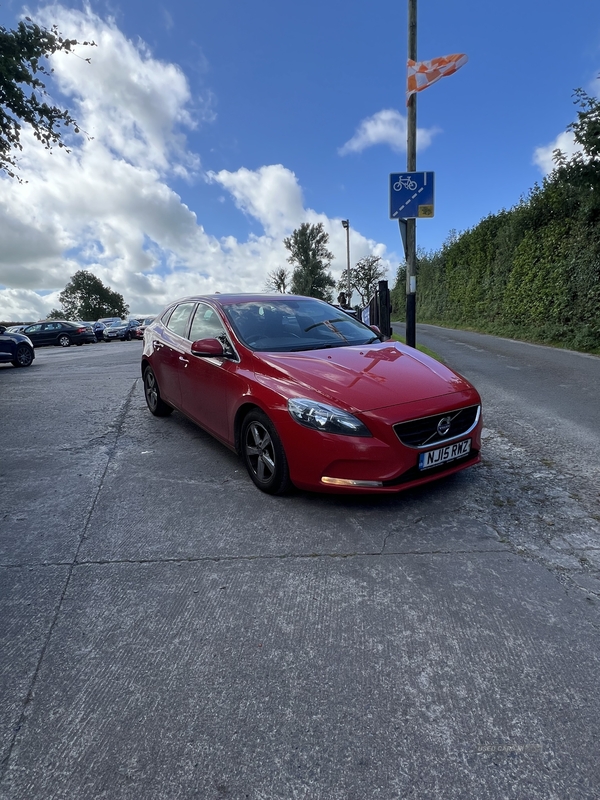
(411, 194)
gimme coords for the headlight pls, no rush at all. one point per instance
(328, 419)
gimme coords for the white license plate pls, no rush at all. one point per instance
(435, 457)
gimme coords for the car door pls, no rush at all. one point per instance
(170, 346)
(209, 386)
(34, 332)
(51, 331)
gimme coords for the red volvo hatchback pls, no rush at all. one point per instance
(308, 395)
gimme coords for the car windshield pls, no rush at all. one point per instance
(294, 324)
(117, 323)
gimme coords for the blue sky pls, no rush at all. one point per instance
(219, 127)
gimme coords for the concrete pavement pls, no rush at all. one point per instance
(167, 631)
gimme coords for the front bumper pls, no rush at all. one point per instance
(380, 464)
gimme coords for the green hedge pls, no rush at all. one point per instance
(532, 272)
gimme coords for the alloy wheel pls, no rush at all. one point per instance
(260, 452)
(263, 454)
(23, 356)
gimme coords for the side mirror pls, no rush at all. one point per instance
(207, 348)
(377, 331)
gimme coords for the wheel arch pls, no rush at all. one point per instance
(240, 416)
(272, 405)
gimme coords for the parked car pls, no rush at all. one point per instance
(145, 321)
(88, 325)
(308, 395)
(59, 332)
(16, 328)
(16, 348)
(124, 329)
(107, 321)
(99, 328)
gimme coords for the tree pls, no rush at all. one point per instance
(311, 258)
(575, 181)
(86, 297)
(586, 128)
(278, 280)
(364, 277)
(23, 93)
(398, 293)
(56, 313)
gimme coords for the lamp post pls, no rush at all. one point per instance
(411, 166)
(346, 225)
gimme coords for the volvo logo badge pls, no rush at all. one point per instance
(443, 425)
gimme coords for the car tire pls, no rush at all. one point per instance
(128, 337)
(64, 340)
(264, 455)
(23, 356)
(156, 405)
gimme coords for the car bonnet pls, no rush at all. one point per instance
(367, 377)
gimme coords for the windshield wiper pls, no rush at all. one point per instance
(327, 322)
(321, 346)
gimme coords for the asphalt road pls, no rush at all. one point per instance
(541, 413)
(167, 631)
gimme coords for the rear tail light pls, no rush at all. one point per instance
(81, 330)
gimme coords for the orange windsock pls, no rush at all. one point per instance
(422, 74)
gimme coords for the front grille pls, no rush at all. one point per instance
(424, 432)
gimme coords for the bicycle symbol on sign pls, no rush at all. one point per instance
(405, 183)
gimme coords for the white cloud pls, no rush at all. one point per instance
(542, 156)
(107, 206)
(271, 195)
(22, 305)
(127, 99)
(385, 127)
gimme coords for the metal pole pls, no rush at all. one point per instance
(411, 166)
(346, 224)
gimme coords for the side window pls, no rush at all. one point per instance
(179, 319)
(33, 329)
(206, 324)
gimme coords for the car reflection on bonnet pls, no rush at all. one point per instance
(308, 395)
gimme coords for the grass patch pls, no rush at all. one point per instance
(550, 337)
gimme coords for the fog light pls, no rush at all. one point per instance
(348, 482)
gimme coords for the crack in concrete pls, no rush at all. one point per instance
(272, 557)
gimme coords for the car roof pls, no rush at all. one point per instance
(62, 321)
(228, 299)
